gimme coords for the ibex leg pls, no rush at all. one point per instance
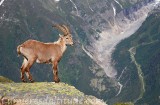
(22, 70)
(27, 70)
(55, 72)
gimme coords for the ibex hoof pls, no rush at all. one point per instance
(32, 81)
(24, 81)
(57, 80)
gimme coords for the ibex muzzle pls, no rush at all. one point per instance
(36, 51)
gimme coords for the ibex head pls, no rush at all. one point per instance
(66, 37)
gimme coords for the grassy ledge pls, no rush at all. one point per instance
(44, 93)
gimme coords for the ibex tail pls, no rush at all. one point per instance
(18, 50)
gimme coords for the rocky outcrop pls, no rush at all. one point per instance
(46, 93)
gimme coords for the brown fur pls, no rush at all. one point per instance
(36, 51)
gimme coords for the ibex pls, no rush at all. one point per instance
(51, 53)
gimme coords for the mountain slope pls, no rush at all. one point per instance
(97, 27)
(143, 46)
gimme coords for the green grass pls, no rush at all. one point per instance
(126, 103)
(40, 87)
(41, 90)
(4, 79)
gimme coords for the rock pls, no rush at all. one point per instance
(44, 93)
